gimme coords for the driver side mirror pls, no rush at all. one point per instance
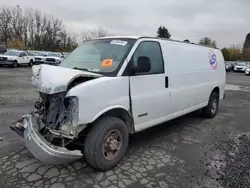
(143, 65)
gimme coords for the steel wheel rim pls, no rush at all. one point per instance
(112, 145)
(214, 106)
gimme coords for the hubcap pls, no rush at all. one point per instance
(214, 106)
(112, 145)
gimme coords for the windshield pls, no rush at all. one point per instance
(11, 53)
(54, 54)
(100, 56)
(241, 64)
(41, 54)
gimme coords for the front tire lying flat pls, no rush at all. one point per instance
(106, 143)
(211, 109)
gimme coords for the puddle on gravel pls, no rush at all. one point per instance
(237, 88)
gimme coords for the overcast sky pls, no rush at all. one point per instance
(226, 21)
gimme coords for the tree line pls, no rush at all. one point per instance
(34, 30)
(31, 29)
(238, 52)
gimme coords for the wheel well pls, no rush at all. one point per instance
(123, 115)
(31, 60)
(119, 113)
(216, 90)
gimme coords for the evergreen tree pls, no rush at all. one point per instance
(163, 32)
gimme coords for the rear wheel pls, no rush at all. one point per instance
(15, 64)
(211, 109)
(106, 143)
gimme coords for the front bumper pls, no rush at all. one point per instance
(52, 63)
(6, 62)
(239, 70)
(41, 148)
(39, 61)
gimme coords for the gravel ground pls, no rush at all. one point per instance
(187, 152)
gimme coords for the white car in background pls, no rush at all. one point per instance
(65, 54)
(16, 58)
(247, 71)
(40, 57)
(240, 67)
(54, 58)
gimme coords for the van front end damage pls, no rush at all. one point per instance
(51, 131)
(51, 128)
(43, 150)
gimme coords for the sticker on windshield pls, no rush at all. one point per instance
(213, 60)
(107, 63)
(119, 42)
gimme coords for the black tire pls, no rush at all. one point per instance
(31, 63)
(93, 146)
(211, 109)
(15, 64)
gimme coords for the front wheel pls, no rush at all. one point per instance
(15, 64)
(106, 143)
(31, 63)
(211, 109)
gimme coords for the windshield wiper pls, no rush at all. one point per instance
(83, 69)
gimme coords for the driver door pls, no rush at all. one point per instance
(149, 91)
(21, 58)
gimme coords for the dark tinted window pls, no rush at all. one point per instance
(151, 50)
(22, 54)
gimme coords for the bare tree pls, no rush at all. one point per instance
(34, 30)
(17, 24)
(94, 33)
(208, 42)
(5, 21)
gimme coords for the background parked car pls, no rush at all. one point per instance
(16, 58)
(54, 58)
(40, 57)
(247, 71)
(229, 66)
(65, 54)
(240, 67)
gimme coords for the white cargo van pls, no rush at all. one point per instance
(109, 88)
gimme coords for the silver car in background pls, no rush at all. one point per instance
(240, 67)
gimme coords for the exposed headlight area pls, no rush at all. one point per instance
(59, 114)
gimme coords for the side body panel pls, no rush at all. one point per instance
(192, 76)
(101, 95)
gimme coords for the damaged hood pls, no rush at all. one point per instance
(53, 79)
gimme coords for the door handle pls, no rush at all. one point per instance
(166, 82)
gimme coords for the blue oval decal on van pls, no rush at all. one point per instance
(213, 60)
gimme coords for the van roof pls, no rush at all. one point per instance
(139, 37)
